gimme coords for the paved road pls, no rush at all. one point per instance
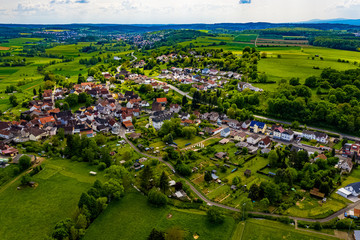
(135, 58)
(210, 203)
(177, 90)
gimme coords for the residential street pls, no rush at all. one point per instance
(210, 203)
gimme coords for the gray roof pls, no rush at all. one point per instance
(355, 186)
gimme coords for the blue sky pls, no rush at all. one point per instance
(174, 11)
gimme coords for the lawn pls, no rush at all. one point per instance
(36, 211)
(133, 218)
(181, 142)
(265, 229)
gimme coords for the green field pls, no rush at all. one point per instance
(32, 213)
(19, 42)
(265, 229)
(133, 218)
(298, 62)
(245, 37)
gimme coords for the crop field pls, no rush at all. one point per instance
(248, 38)
(265, 229)
(280, 42)
(60, 186)
(299, 62)
(19, 42)
(133, 218)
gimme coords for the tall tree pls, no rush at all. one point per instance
(163, 182)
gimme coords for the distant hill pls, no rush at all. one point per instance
(336, 21)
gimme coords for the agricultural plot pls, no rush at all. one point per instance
(248, 38)
(299, 63)
(55, 198)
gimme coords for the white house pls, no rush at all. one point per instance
(287, 135)
(225, 132)
(352, 188)
(253, 139)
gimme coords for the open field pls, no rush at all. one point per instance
(299, 63)
(60, 186)
(265, 229)
(19, 42)
(133, 218)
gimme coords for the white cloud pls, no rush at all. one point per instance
(174, 11)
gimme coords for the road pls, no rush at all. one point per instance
(135, 58)
(176, 90)
(210, 203)
(275, 120)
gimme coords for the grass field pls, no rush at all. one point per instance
(265, 229)
(36, 211)
(298, 62)
(133, 218)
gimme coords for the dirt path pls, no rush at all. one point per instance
(39, 160)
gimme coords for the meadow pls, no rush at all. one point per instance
(298, 62)
(265, 229)
(133, 218)
(61, 183)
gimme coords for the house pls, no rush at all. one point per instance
(287, 135)
(128, 125)
(257, 127)
(321, 156)
(36, 134)
(158, 119)
(238, 136)
(205, 71)
(265, 142)
(253, 139)
(346, 165)
(319, 137)
(354, 188)
(277, 132)
(175, 108)
(220, 155)
(234, 124)
(225, 132)
(246, 124)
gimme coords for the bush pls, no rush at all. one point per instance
(157, 198)
(102, 166)
(214, 215)
(24, 162)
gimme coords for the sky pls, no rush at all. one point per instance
(174, 11)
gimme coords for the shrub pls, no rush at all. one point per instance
(214, 215)
(102, 166)
(157, 198)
